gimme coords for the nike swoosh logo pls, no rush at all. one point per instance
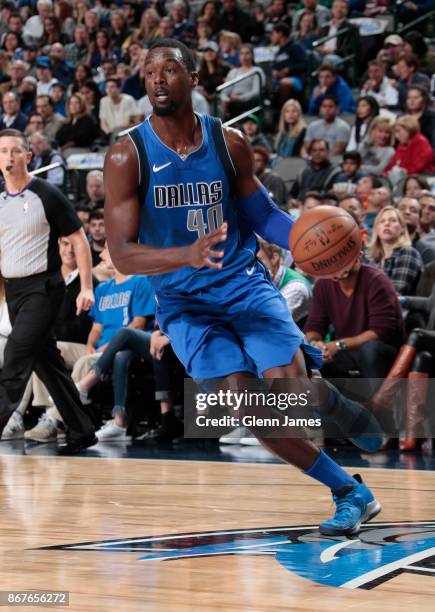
(250, 271)
(158, 168)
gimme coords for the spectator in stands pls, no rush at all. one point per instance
(354, 206)
(362, 306)
(119, 30)
(331, 84)
(184, 30)
(19, 70)
(95, 189)
(11, 45)
(92, 95)
(149, 30)
(234, 19)
(330, 127)
(116, 108)
(229, 48)
(52, 32)
(306, 32)
(83, 212)
(52, 121)
(44, 76)
(80, 129)
(334, 49)
(415, 43)
(319, 173)
(203, 33)
(367, 109)
(35, 124)
(63, 12)
(92, 22)
(61, 71)
(406, 71)
(418, 105)
(376, 150)
(134, 84)
(410, 210)
(34, 26)
(271, 181)
(329, 198)
(289, 64)
(166, 28)
(169, 375)
(294, 287)
(123, 302)
(322, 13)
(16, 24)
(71, 332)
(276, 12)
(58, 97)
(414, 152)
(346, 181)
(413, 186)
(310, 201)
(252, 129)
(390, 52)
(210, 13)
(12, 117)
(82, 73)
(379, 87)
(44, 155)
(101, 50)
(375, 200)
(408, 11)
(243, 95)
(97, 233)
(212, 70)
(427, 214)
(391, 250)
(27, 94)
(76, 52)
(291, 130)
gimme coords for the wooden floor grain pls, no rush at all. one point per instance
(47, 501)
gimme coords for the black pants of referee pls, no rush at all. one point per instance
(33, 304)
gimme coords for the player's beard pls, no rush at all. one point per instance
(165, 111)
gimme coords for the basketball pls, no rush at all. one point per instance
(325, 240)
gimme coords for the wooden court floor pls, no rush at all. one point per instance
(78, 505)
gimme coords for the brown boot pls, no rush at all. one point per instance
(383, 397)
(416, 395)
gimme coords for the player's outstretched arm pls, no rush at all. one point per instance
(122, 221)
(254, 201)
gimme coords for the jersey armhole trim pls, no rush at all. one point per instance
(138, 157)
(142, 157)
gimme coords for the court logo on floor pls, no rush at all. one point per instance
(380, 552)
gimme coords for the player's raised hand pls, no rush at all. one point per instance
(201, 252)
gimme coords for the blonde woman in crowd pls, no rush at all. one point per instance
(377, 151)
(391, 250)
(148, 31)
(291, 130)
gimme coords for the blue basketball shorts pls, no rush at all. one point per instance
(239, 324)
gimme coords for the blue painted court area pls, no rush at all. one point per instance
(210, 450)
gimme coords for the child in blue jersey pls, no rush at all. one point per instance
(183, 205)
(123, 315)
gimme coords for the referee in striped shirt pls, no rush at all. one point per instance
(33, 216)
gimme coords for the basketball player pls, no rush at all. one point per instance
(182, 202)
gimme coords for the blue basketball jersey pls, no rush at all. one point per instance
(184, 198)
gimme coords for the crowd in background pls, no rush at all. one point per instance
(347, 119)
